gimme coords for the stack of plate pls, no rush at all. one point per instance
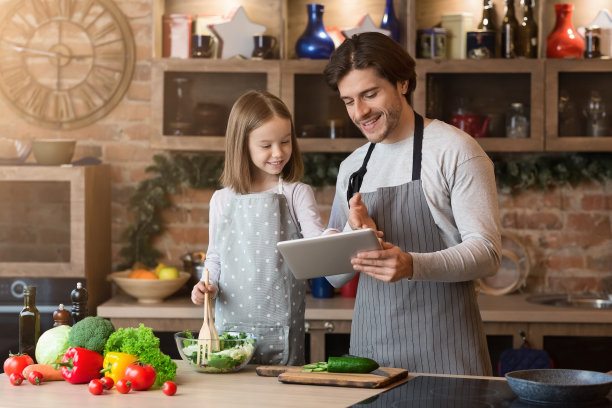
(513, 270)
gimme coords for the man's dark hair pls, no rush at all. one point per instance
(374, 50)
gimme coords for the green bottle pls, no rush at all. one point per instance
(29, 323)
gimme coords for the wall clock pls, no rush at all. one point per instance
(64, 63)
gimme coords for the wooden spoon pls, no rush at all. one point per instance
(207, 334)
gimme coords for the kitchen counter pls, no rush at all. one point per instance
(502, 315)
(242, 389)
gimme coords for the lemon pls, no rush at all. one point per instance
(168, 272)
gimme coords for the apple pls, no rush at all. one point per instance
(158, 268)
(168, 272)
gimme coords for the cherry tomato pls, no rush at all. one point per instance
(141, 376)
(107, 382)
(123, 386)
(96, 387)
(16, 363)
(16, 378)
(35, 378)
(169, 388)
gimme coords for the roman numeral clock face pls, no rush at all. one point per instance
(64, 63)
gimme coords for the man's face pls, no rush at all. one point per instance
(374, 104)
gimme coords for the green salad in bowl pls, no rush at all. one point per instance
(235, 351)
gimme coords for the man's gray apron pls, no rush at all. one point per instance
(428, 327)
(257, 291)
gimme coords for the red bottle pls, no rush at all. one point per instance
(564, 41)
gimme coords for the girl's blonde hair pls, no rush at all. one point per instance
(250, 111)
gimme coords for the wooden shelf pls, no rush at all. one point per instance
(534, 82)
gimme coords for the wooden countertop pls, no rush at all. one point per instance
(242, 389)
(508, 308)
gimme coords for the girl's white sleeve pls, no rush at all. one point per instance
(307, 211)
(213, 262)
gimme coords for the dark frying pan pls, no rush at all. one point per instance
(560, 386)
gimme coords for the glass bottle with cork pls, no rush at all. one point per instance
(509, 30)
(488, 21)
(79, 298)
(29, 323)
(528, 32)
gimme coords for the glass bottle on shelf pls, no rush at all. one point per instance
(488, 17)
(509, 31)
(592, 35)
(389, 21)
(29, 323)
(569, 124)
(517, 124)
(597, 118)
(488, 23)
(528, 32)
(315, 42)
(182, 107)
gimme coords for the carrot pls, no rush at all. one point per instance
(48, 372)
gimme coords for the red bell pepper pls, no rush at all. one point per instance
(80, 365)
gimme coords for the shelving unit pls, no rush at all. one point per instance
(300, 84)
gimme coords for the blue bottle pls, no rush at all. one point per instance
(389, 21)
(314, 43)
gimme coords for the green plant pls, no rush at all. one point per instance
(199, 171)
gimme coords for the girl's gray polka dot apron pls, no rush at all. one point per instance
(257, 291)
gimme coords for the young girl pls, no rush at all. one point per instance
(262, 203)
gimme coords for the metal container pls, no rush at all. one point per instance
(432, 43)
(480, 44)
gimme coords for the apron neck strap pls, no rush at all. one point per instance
(356, 178)
(417, 147)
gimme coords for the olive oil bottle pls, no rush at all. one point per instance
(29, 323)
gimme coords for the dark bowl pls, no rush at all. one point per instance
(560, 386)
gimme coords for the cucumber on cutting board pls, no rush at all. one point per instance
(358, 365)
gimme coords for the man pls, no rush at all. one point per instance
(430, 189)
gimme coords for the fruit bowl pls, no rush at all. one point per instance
(148, 290)
(236, 350)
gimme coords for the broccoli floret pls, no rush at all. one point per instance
(91, 333)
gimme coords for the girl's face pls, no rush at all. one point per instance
(270, 149)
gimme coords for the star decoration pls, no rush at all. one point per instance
(237, 34)
(366, 25)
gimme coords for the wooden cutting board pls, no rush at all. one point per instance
(292, 374)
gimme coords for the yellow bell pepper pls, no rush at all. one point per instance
(115, 363)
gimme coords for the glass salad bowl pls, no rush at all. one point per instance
(236, 350)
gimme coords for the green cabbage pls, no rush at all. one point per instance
(52, 345)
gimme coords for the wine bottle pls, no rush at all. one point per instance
(488, 17)
(29, 323)
(509, 31)
(528, 32)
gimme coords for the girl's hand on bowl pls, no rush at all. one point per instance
(198, 291)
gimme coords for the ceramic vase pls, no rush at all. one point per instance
(390, 22)
(564, 41)
(315, 42)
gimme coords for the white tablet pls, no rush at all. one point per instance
(328, 254)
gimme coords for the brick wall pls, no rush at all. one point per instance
(567, 230)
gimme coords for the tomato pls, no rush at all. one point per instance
(107, 382)
(16, 378)
(16, 363)
(96, 387)
(141, 376)
(123, 386)
(35, 377)
(169, 388)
